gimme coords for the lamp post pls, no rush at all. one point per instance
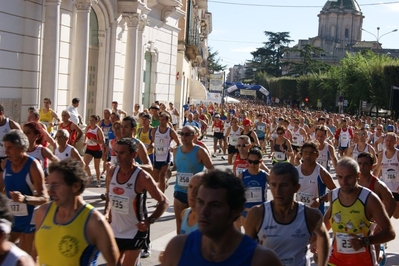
(254, 70)
(378, 37)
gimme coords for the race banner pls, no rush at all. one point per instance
(248, 92)
(216, 82)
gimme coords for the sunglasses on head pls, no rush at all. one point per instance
(253, 162)
(186, 134)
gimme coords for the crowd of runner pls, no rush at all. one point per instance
(45, 164)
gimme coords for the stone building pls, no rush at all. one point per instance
(96, 50)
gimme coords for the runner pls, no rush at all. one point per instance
(326, 150)
(47, 115)
(261, 129)
(174, 115)
(285, 225)
(11, 254)
(64, 150)
(281, 151)
(299, 136)
(24, 185)
(343, 135)
(232, 135)
(388, 167)
(189, 160)
(72, 225)
(217, 128)
(361, 145)
(106, 126)
(220, 201)
(93, 140)
(350, 216)
(145, 136)
(75, 133)
(162, 137)
(247, 124)
(125, 207)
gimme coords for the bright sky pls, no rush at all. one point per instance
(238, 27)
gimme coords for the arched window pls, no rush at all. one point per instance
(93, 38)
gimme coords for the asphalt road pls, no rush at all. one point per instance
(165, 228)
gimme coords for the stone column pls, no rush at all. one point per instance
(129, 84)
(140, 57)
(81, 54)
(50, 61)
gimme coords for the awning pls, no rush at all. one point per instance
(197, 90)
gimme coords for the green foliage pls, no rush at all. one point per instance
(309, 63)
(214, 64)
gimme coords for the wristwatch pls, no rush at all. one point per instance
(366, 241)
(26, 200)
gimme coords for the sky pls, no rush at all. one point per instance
(238, 27)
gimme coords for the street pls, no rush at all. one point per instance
(164, 228)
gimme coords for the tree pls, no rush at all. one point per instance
(268, 58)
(308, 64)
(214, 64)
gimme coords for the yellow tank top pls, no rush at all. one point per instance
(65, 244)
(46, 118)
(145, 138)
(347, 220)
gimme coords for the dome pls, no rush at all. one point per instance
(341, 4)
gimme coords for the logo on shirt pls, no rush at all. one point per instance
(118, 190)
(298, 234)
(68, 246)
(270, 227)
(129, 185)
(355, 211)
(45, 227)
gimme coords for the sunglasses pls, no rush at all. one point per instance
(280, 133)
(242, 145)
(186, 134)
(253, 162)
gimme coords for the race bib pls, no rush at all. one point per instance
(253, 194)
(216, 130)
(344, 140)
(18, 209)
(161, 150)
(106, 131)
(119, 204)
(260, 128)
(279, 156)
(288, 261)
(391, 176)
(183, 179)
(239, 171)
(233, 141)
(344, 246)
(322, 163)
(91, 143)
(305, 198)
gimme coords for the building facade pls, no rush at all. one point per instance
(95, 50)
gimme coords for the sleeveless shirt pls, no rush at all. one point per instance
(37, 153)
(390, 171)
(69, 244)
(239, 165)
(184, 227)
(162, 145)
(356, 151)
(347, 220)
(13, 256)
(186, 166)
(192, 255)
(72, 133)
(127, 206)
(233, 136)
(312, 186)
(290, 240)
(324, 157)
(4, 129)
(46, 118)
(255, 188)
(92, 133)
(65, 154)
(297, 137)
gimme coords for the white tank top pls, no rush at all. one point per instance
(289, 241)
(65, 154)
(390, 171)
(37, 154)
(233, 136)
(297, 137)
(162, 145)
(309, 185)
(324, 156)
(126, 204)
(14, 255)
(356, 151)
(344, 138)
(3, 131)
(226, 126)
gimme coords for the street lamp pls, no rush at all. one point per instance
(378, 37)
(254, 70)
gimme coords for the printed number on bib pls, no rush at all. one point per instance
(91, 143)
(391, 176)
(253, 194)
(239, 171)
(260, 128)
(304, 197)
(279, 156)
(18, 209)
(120, 204)
(344, 246)
(183, 179)
(217, 130)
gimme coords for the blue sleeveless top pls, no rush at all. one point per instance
(187, 163)
(20, 181)
(255, 188)
(192, 256)
(184, 227)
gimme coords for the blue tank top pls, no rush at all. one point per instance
(192, 256)
(21, 182)
(186, 166)
(260, 129)
(184, 227)
(255, 188)
(107, 129)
